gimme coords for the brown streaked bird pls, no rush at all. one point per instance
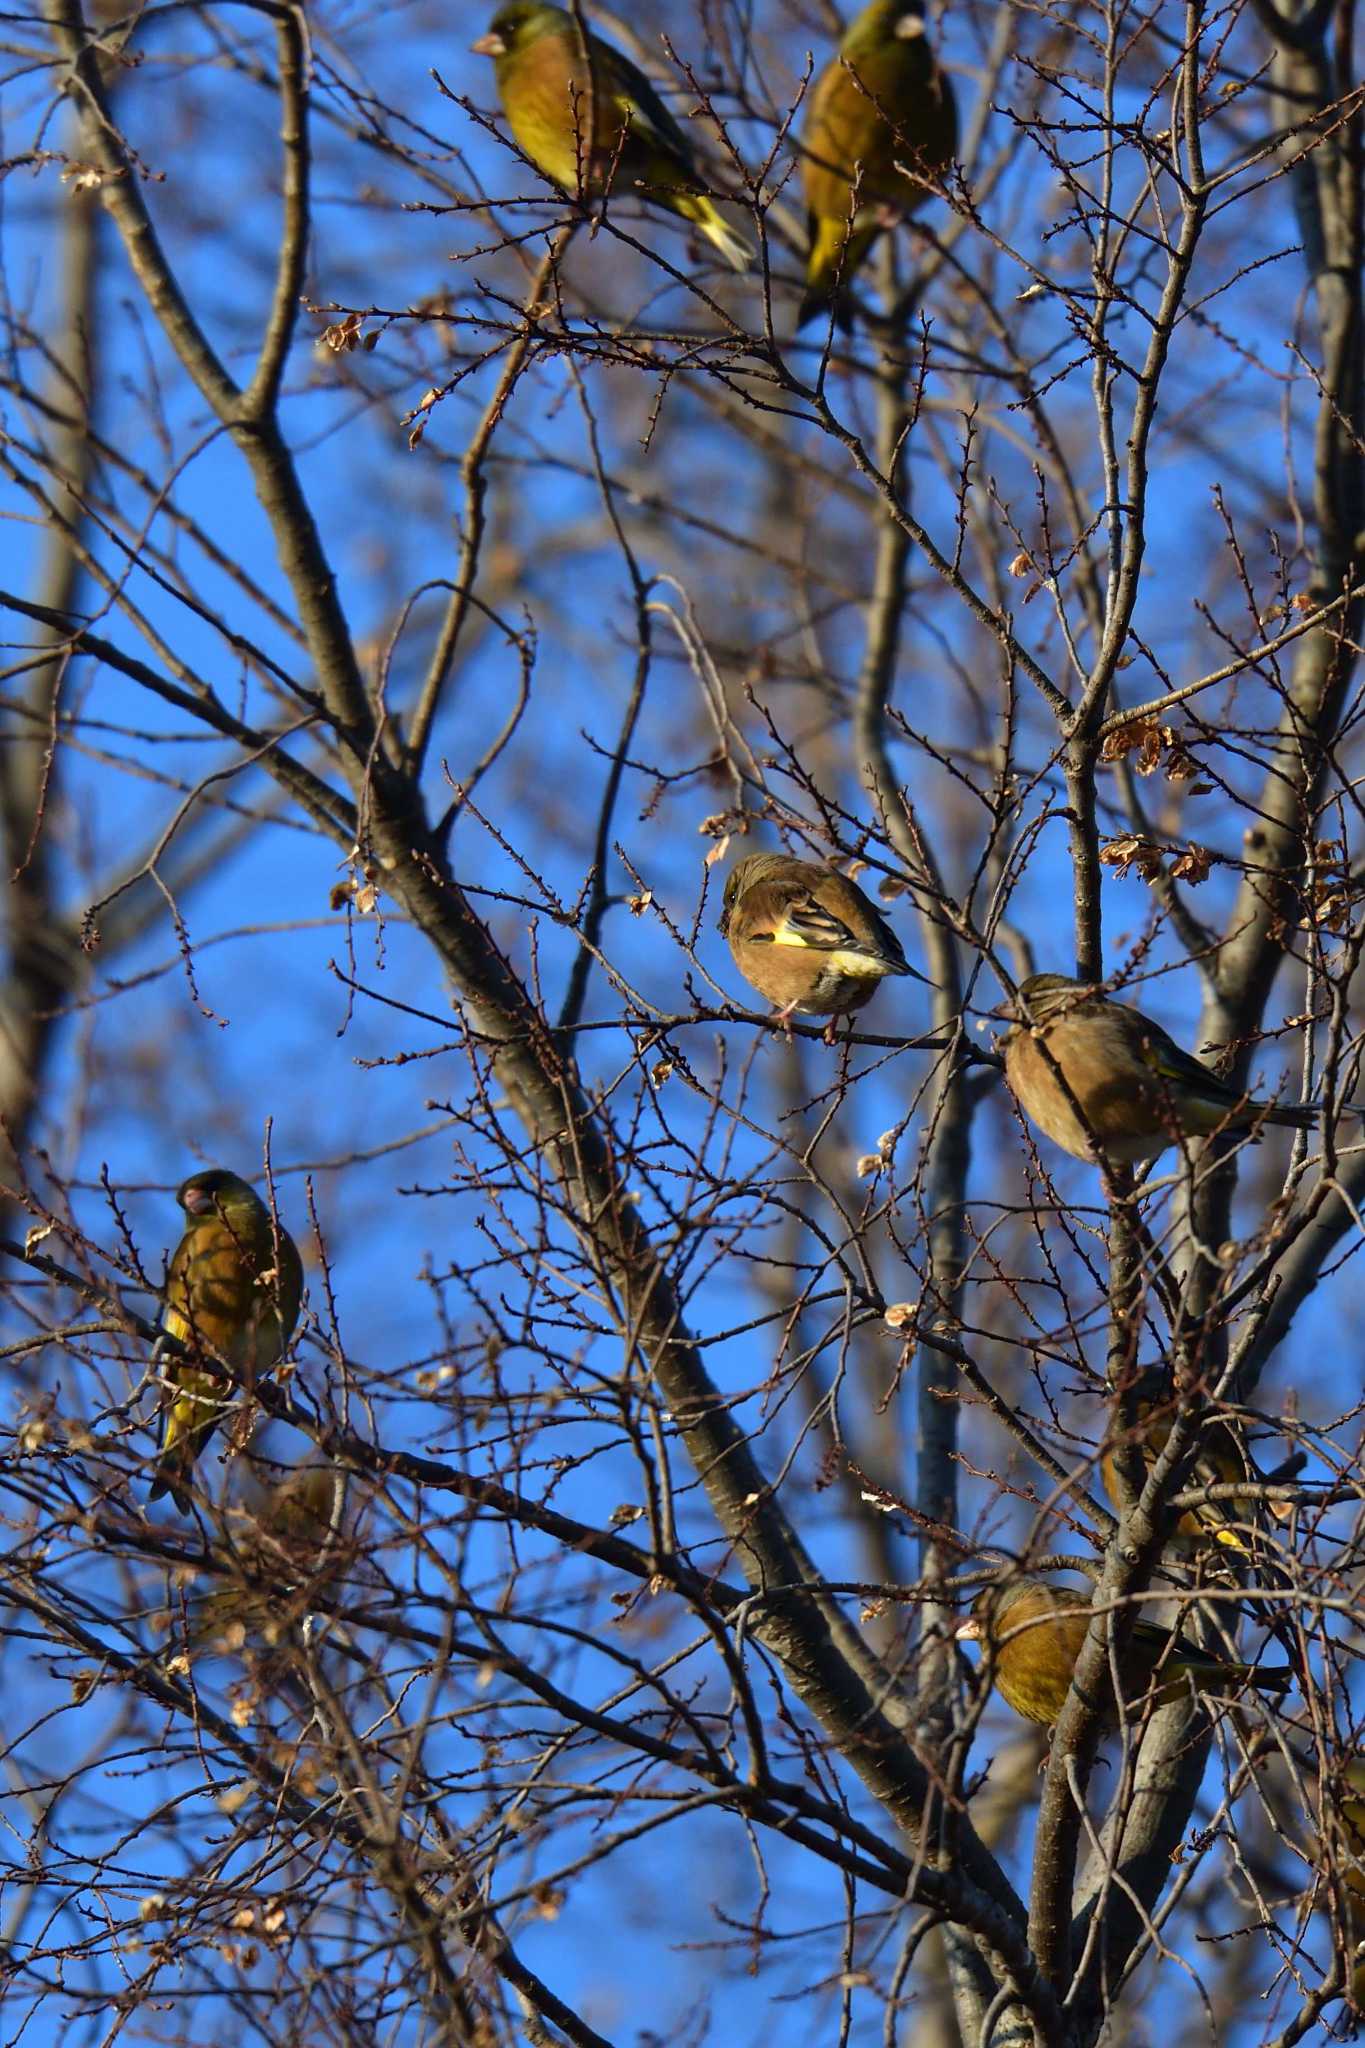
(1034, 1631)
(1136, 1089)
(590, 120)
(806, 937)
(233, 1293)
(882, 102)
(1218, 1461)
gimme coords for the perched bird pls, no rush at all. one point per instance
(1136, 1089)
(1336, 1843)
(1034, 1631)
(1219, 1461)
(590, 119)
(232, 1293)
(881, 102)
(1348, 1809)
(805, 936)
(292, 1543)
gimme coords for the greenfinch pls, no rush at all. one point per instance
(291, 1543)
(1034, 1632)
(591, 121)
(1219, 1461)
(1343, 1827)
(882, 102)
(1349, 1811)
(232, 1292)
(805, 936)
(1136, 1089)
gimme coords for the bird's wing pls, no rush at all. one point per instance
(1220, 1460)
(795, 917)
(177, 1296)
(868, 930)
(1166, 1649)
(1171, 1063)
(212, 1293)
(649, 119)
(885, 936)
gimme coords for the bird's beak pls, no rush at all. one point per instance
(723, 923)
(968, 1631)
(198, 1202)
(490, 45)
(908, 27)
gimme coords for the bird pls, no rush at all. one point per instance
(882, 101)
(292, 1543)
(1339, 1848)
(1136, 1089)
(1034, 1631)
(805, 936)
(232, 1293)
(1346, 1804)
(1219, 1461)
(590, 120)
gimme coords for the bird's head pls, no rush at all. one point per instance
(753, 868)
(980, 1623)
(216, 1192)
(514, 26)
(884, 21)
(1043, 995)
(1007, 1605)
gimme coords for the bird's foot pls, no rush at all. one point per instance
(783, 1018)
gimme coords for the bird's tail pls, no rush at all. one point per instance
(822, 300)
(1294, 1116)
(1280, 1679)
(172, 1470)
(835, 254)
(737, 251)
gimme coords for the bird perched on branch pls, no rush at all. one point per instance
(1344, 1805)
(1034, 1631)
(591, 121)
(882, 126)
(291, 1545)
(1219, 1461)
(1343, 1825)
(805, 936)
(232, 1296)
(1135, 1089)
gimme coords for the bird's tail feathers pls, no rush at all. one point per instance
(835, 254)
(169, 1478)
(819, 301)
(734, 247)
(1293, 1116)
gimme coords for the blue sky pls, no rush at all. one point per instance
(148, 1086)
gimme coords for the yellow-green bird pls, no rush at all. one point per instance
(590, 120)
(880, 103)
(1340, 1847)
(805, 936)
(232, 1294)
(1218, 1461)
(1345, 1803)
(1034, 1632)
(1136, 1089)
